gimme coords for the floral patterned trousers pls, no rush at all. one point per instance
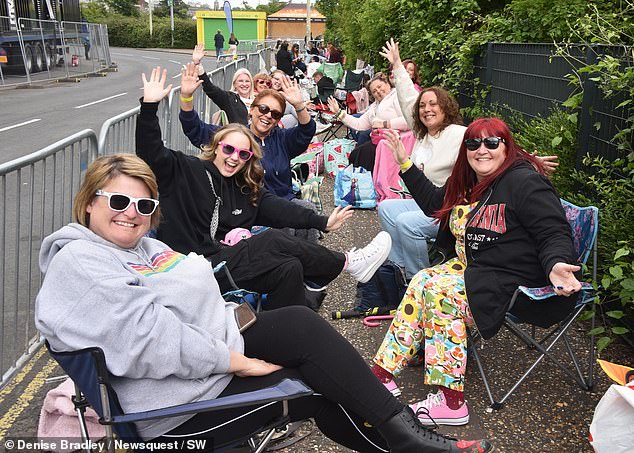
(434, 313)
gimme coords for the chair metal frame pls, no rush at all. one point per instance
(558, 332)
(87, 368)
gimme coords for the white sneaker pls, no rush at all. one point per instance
(363, 263)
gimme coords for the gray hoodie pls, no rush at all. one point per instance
(158, 315)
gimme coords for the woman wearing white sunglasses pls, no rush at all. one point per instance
(205, 197)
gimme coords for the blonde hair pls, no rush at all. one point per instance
(237, 74)
(104, 169)
(251, 176)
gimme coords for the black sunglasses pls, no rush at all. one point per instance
(473, 144)
(229, 150)
(120, 202)
(264, 109)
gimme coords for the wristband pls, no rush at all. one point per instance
(340, 115)
(300, 109)
(189, 99)
(196, 63)
(406, 165)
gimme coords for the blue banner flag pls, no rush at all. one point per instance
(229, 15)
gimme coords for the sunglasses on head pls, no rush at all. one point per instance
(264, 109)
(120, 202)
(473, 144)
(230, 150)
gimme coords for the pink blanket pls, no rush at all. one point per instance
(385, 173)
(59, 419)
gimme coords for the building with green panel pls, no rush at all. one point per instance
(247, 25)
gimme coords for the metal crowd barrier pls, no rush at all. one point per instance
(36, 193)
(51, 50)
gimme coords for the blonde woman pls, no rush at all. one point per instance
(234, 102)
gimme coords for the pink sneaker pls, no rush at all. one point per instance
(393, 388)
(434, 410)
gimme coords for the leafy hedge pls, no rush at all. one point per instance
(126, 31)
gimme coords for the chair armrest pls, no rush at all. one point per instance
(287, 389)
(547, 291)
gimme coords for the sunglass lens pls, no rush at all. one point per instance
(244, 155)
(491, 142)
(145, 206)
(264, 109)
(119, 202)
(228, 149)
(472, 143)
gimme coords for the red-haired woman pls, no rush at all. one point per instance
(501, 225)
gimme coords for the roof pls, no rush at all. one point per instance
(297, 10)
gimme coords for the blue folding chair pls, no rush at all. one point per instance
(584, 223)
(87, 368)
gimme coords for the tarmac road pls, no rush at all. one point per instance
(34, 117)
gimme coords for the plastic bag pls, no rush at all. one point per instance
(353, 186)
(612, 428)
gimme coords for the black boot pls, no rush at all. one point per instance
(404, 433)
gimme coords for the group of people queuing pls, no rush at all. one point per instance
(493, 214)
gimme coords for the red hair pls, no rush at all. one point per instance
(463, 185)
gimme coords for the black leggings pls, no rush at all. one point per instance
(276, 263)
(347, 394)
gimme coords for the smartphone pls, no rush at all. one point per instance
(245, 316)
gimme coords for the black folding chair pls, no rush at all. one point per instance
(87, 368)
(584, 223)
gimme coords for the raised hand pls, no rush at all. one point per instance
(198, 53)
(396, 146)
(189, 80)
(291, 92)
(154, 89)
(338, 217)
(391, 52)
(333, 105)
(563, 279)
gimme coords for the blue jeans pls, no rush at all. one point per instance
(410, 229)
(219, 52)
(359, 136)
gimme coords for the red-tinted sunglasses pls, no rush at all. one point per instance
(230, 150)
(264, 82)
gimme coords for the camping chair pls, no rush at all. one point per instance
(237, 294)
(332, 70)
(584, 223)
(87, 368)
(353, 80)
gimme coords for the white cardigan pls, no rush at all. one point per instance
(437, 155)
(386, 110)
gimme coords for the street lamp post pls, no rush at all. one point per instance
(150, 8)
(308, 33)
(171, 4)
